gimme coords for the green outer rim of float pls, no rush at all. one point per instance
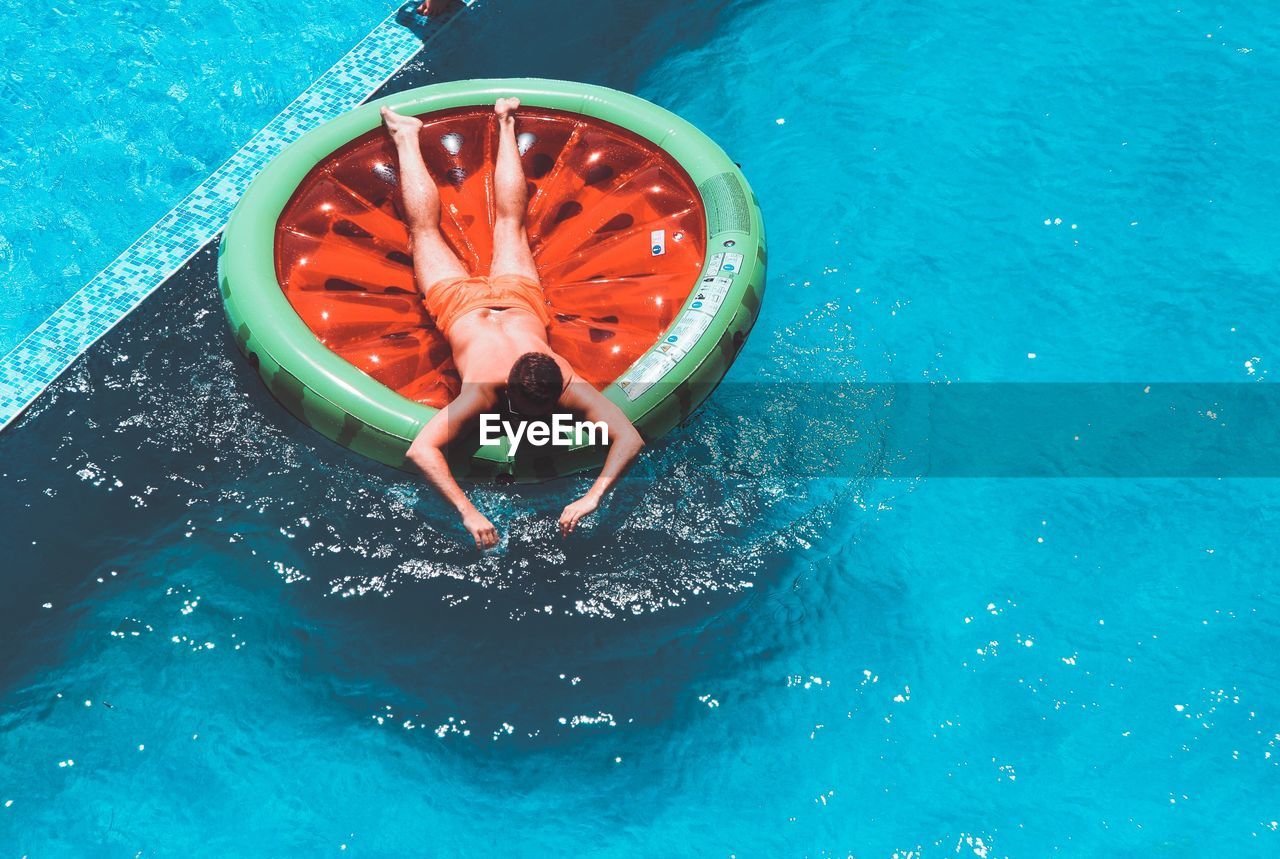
(353, 409)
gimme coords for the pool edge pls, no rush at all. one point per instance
(45, 353)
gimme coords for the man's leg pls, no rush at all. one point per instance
(511, 254)
(433, 259)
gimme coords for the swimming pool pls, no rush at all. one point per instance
(111, 112)
(256, 643)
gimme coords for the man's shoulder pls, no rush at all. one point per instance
(480, 395)
(580, 395)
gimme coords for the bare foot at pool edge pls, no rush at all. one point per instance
(506, 109)
(400, 126)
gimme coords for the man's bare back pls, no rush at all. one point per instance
(487, 341)
(496, 327)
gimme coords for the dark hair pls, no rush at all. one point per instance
(535, 380)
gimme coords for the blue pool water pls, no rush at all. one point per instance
(111, 111)
(220, 635)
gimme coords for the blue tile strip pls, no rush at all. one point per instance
(119, 288)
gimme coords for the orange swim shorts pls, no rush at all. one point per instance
(446, 300)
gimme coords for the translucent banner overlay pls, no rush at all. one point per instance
(995, 429)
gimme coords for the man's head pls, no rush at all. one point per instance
(535, 384)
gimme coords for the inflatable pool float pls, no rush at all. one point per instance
(649, 243)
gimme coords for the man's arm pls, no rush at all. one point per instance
(427, 452)
(624, 444)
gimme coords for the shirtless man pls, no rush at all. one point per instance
(497, 327)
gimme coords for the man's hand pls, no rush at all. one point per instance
(427, 453)
(482, 530)
(584, 506)
(624, 443)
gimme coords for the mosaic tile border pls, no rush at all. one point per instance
(113, 293)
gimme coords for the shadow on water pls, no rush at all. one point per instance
(162, 452)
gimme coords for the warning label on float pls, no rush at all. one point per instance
(725, 264)
(658, 242)
(708, 298)
(645, 374)
(710, 294)
(683, 335)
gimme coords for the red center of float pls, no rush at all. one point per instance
(597, 196)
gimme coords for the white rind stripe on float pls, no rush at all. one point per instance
(99, 305)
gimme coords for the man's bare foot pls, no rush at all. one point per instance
(400, 126)
(505, 108)
(433, 7)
